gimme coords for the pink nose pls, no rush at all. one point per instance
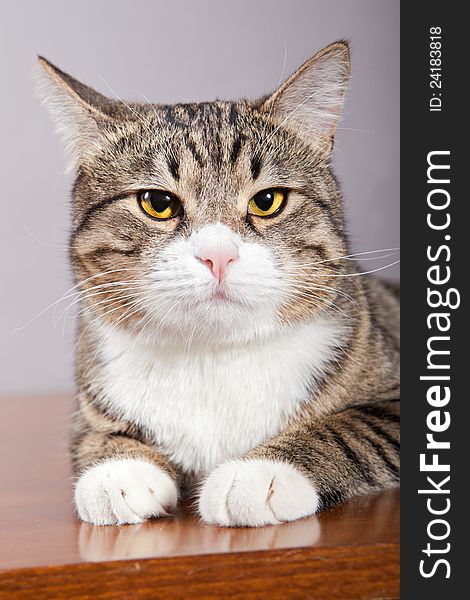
(218, 259)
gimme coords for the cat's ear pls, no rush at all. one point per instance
(311, 100)
(81, 115)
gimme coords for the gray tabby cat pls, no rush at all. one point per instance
(225, 338)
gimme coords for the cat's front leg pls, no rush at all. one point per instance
(309, 467)
(120, 479)
(123, 490)
(255, 492)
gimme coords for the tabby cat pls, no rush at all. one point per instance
(227, 343)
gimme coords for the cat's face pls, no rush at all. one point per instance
(207, 222)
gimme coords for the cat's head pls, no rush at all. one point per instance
(215, 221)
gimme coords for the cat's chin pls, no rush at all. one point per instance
(210, 325)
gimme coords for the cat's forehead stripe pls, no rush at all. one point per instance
(211, 132)
(195, 152)
(173, 165)
(233, 114)
(255, 166)
(236, 148)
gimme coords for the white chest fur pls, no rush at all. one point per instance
(206, 407)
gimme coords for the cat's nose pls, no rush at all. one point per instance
(218, 259)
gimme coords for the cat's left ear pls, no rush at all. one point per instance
(311, 100)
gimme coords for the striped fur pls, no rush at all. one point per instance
(300, 366)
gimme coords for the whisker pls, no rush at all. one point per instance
(337, 292)
(350, 257)
(363, 272)
(104, 288)
(82, 295)
(323, 302)
(281, 75)
(94, 306)
(43, 242)
(134, 112)
(65, 295)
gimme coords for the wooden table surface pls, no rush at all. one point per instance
(45, 552)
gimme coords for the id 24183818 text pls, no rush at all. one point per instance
(435, 69)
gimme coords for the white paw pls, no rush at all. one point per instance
(256, 492)
(124, 490)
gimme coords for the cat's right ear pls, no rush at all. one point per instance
(81, 115)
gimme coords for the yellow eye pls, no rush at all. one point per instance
(160, 204)
(267, 202)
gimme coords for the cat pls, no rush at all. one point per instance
(227, 343)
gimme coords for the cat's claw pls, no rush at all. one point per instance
(124, 490)
(256, 492)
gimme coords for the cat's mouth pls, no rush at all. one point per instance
(220, 295)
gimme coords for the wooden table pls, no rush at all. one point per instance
(348, 552)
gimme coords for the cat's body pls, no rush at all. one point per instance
(211, 405)
(239, 349)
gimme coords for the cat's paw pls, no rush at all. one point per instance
(256, 492)
(124, 490)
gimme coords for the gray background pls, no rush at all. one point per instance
(170, 51)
